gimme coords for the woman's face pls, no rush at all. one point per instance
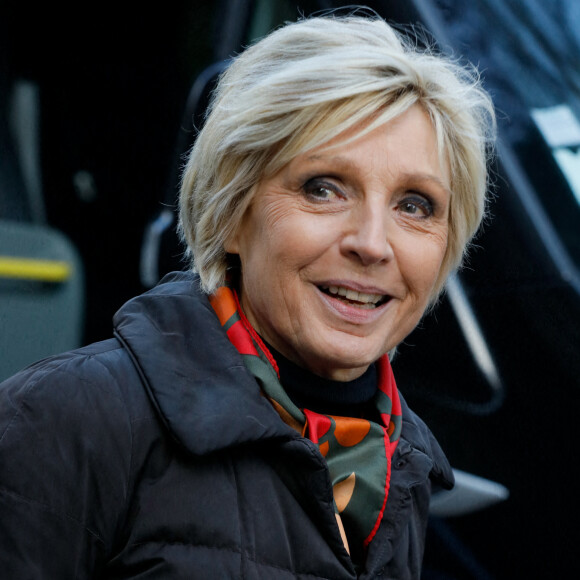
(340, 249)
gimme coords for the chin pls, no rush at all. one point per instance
(342, 361)
(358, 352)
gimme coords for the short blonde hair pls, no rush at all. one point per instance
(306, 83)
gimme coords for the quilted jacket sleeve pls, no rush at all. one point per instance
(65, 448)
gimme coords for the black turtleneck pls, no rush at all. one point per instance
(309, 391)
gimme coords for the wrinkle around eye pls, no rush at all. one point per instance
(436, 229)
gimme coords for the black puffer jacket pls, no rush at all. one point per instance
(153, 456)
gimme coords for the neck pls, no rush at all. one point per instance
(308, 390)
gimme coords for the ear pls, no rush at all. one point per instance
(232, 244)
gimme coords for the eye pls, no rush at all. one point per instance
(417, 205)
(321, 190)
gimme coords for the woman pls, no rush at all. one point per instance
(244, 421)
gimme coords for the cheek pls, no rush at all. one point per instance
(269, 256)
(297, 242)
(421, 264)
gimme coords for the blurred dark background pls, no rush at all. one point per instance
(97, 108)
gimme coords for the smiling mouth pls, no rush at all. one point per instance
(354, 298)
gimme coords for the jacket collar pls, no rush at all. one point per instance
(194, 376)
(198, 381)
(420, 439)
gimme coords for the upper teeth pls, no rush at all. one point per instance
(354, 295)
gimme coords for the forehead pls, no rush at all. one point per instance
(407, 142)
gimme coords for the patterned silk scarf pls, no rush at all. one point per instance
(358, 451)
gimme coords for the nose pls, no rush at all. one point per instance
(366, 238)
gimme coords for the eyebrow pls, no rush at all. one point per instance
(417, 177)
(429, 178)
(337, 159)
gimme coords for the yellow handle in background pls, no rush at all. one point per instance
(34, 269)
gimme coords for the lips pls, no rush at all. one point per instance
(355, 298)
